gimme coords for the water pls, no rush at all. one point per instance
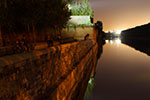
(123, 73)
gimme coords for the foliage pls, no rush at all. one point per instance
(70, 1)
(89, 88)
(82, 7)
(78, 25)
(25, 15)
(81, 25)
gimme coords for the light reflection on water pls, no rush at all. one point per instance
(117, 41)
(141, 45)
(123, 73)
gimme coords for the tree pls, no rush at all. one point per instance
(20, 15)
(81, 7)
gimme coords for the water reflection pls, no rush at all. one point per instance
(116, 40)
(122, 74)
(142, 45)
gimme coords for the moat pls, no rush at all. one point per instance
(123, 73)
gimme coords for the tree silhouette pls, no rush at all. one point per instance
(25, 15)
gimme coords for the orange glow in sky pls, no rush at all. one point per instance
(121, 14)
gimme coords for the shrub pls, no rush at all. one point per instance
(81, 7)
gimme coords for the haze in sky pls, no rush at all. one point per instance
(121, 14)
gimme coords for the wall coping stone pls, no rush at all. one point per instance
(22, 57)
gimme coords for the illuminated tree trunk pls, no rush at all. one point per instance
(5, 3)
(34, 34)
(1, 41)
(0, 3)
(28, 28)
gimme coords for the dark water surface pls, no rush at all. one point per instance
(123, 73)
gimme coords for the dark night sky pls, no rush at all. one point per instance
(121, 14)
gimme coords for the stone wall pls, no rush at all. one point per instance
(79, 32)
(55, 73)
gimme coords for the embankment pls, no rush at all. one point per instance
(56, 73)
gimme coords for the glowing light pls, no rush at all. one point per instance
(111, 42)
(118, 41)
(69, 6)
(118, 32)
(91, 80)
(106, 41)
(111, 31)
